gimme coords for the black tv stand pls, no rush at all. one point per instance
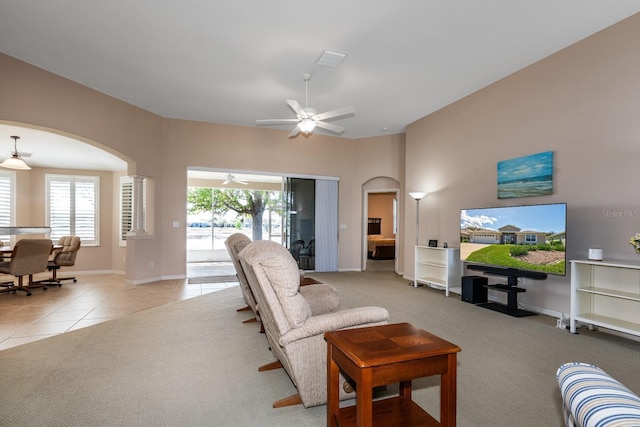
(512, 301)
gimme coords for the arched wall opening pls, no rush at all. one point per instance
(51, 151)
(381, 224)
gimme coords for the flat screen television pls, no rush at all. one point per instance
(515, 241)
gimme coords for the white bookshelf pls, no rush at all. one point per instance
(605, 294)
(438, 267)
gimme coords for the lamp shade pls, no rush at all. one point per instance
(15, 162)
(417, 195)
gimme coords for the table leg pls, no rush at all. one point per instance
(448, 393)
(333, 390)
(405, 389)
(364, 399)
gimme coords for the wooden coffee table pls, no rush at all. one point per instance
(308, 281)
(379, 355)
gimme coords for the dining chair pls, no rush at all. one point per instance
(5, 255)
(29, 256)
(64, 255)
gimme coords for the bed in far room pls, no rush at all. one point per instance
(379, 246)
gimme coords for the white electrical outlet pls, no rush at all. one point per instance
(152, 264)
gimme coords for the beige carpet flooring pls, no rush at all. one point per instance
(194, 363)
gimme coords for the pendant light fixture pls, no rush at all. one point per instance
(15, 161)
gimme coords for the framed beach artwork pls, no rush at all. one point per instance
(526, 176)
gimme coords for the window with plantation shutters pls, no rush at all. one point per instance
(6, 202)
(126, 208)
(72, 207)
(127, 202)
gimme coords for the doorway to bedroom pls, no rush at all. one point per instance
(381, 230)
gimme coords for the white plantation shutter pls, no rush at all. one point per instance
(126, 208)
(72, 207)
(85, 204)
(127, 197)
(6, 202)
(59, 202)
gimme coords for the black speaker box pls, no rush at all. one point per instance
(473, 290)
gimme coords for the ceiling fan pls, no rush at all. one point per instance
(307, 118)
(232, 178)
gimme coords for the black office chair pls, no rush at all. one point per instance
(295, 249)
(308, 256)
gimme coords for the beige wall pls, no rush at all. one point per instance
(164, 148)
(247, 149)
(581, 103)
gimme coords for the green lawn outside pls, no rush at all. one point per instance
(499, 255)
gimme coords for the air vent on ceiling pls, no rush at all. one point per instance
(330, 58)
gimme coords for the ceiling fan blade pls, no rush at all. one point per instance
(226, 182)
(276, 121)
(295, 106)
(294, 132)
(334, 114)
(241, 181)
(330, 127)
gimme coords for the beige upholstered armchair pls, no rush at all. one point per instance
(321, 298)
(234, 244)
(295, 334)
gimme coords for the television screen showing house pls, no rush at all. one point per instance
(524, 237)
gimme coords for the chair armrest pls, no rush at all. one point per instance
(590, 397)
(355, 317)
(322, 298)
(58, 253)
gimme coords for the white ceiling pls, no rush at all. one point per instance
(236, 62)
(40, 148)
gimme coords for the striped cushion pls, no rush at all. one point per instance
(591, 398)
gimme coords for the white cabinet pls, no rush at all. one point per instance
(439, 267)
(605, 294)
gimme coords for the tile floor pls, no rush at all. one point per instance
(92, 299)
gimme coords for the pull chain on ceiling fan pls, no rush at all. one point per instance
(307, 119)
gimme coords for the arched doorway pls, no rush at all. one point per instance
(381, 224)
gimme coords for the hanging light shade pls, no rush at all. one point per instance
(15, 161)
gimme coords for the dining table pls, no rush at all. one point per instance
(6, 251)
(13, 230)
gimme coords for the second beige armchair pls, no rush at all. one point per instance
(294, 333)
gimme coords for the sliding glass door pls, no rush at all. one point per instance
(311, 222)
(300, 206)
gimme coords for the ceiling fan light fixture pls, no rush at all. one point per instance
(307, 119)
(307, 125)
(15, 161)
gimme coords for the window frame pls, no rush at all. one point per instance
(73, 179)
(11, 176)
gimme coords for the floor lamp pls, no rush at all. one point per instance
(417, 195)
